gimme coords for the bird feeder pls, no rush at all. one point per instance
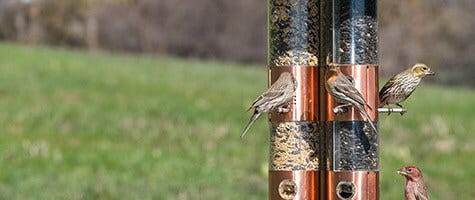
(352, 146)
(315, 152)
(295, 156)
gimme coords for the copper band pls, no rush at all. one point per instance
(356, 185)
(366, 81)
(305, 185)
(304, 105)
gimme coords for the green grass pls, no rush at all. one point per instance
(78, 125)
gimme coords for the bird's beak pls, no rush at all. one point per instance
(430, 73)
(402, 172)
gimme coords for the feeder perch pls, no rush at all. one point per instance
(392, 110)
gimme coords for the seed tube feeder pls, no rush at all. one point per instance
(352, 146)
(295, 158)
(317, 151)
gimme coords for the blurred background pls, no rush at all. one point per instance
(437, 32)
(145, 99)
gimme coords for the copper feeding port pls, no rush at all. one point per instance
(287, 185)
(288, 189)
(354, 185)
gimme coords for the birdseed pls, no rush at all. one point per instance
(293, 32)
(358, 41)
(295, 146)
(356, 29)
(352, 145)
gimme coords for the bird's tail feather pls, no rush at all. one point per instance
(254, 117)
(369, 106)
(368, 119)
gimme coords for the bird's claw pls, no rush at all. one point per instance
(403, 112)
(338, 110)
(404, 109)
(283, 109)
(390, 110)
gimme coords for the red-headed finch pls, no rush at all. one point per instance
(341, 87)
(278, 94)
(401, 86)
(415, 187)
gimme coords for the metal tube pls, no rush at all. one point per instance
(295, 154)
(352, 156)
(392, 110)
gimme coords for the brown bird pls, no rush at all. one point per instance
(341, 87)
(275, 96)
(401, 86)
(415, 187)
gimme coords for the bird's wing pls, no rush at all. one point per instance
(342, 84)
(386, 86)
(398, 78)
(257, 101)
(265, 97)
(350, 78)
(384, 92)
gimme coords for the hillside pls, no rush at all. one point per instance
(77, 125)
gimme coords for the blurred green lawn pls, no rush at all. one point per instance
(77, 125)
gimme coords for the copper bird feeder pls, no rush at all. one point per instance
(352, 146)
(295, 158)
(316, 153)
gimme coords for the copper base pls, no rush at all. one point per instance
(354, 185)
(296, 185)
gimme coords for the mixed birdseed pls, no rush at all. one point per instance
(296, 58)
(293, 32)
(294, 146)
(352, 145)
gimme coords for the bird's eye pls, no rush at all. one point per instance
(409, 170)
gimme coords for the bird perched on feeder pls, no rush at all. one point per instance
(415, 187)
(342, 88)
(401, 85)
(278, 94)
